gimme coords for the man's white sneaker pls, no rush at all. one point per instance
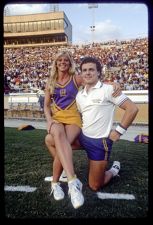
(75, 192)
(63, 177)
(57, 191)
(115, 168)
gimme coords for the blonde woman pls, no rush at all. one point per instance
(64, 124)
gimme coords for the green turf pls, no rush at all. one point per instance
(27, 162)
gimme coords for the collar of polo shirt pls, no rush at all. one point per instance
(97, 85)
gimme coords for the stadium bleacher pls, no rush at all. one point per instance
(26, 69)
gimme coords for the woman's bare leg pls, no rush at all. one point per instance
(63, 148)
(63, 137)
(57, 166)
(72, 132)
(64, 154)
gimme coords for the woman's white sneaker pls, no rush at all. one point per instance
(57, 191)
(75, 192)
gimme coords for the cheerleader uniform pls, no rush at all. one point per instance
(64, 107)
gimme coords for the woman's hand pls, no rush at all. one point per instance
(117, 89)
(50, 124)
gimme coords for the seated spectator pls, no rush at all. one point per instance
(40, 95)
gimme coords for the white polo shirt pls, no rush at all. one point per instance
(97, 108)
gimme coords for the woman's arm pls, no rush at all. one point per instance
(47, 109)
(79, 80)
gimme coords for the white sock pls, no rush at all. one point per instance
(115, 168)
(114, 171)
(53, 183)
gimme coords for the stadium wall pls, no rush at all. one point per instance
(14, 100)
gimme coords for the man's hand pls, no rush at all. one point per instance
(114, 135)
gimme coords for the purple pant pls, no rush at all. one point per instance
(96, 148)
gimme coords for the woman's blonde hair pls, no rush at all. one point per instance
(54, 72)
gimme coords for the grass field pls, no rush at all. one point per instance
(27, 162)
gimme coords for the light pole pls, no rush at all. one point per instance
(93, 6)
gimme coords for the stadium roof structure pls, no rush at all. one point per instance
(52, 28)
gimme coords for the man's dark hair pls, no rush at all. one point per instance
(90, 59)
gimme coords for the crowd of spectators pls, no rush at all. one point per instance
(26, 69)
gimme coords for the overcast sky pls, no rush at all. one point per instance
(111, 21)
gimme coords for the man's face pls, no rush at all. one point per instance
(90, 73)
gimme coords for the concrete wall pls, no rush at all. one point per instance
(141, 118)
(139, 97)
